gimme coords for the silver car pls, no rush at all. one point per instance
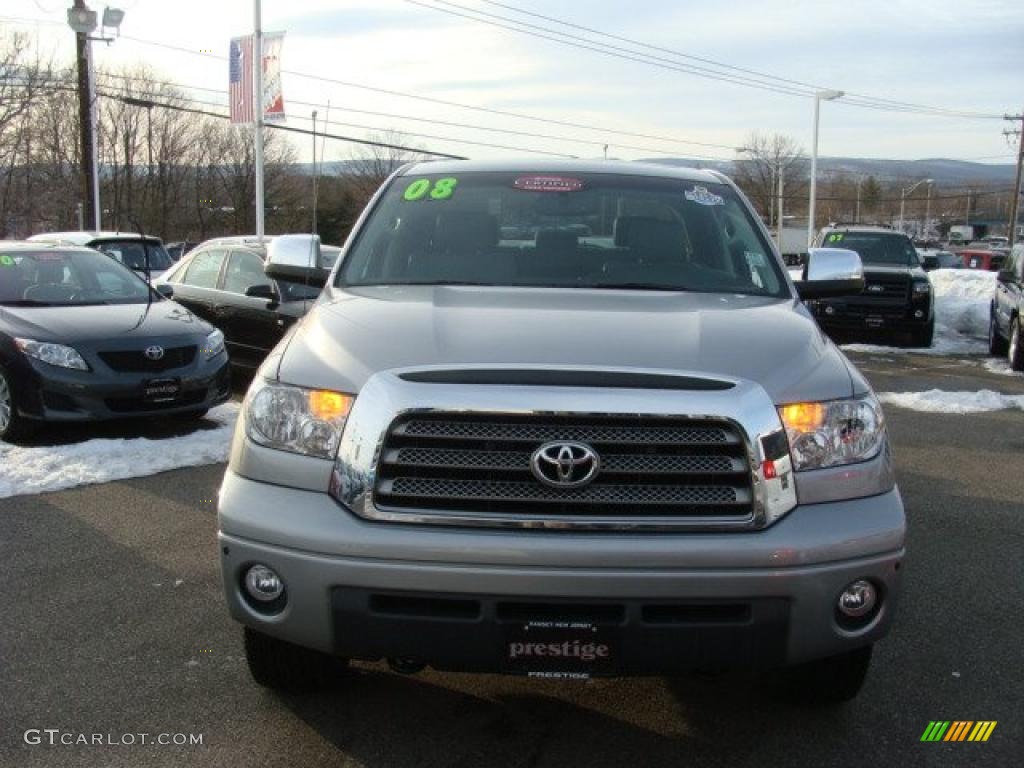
(563, 420)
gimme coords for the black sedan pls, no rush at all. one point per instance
(226, 285)
(82, 337)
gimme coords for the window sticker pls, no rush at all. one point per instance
(756, 260)
(547, 184)
(835, 237)
(701, 196)
(48, 256)
(442, 189)
(6, 261)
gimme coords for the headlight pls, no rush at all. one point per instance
(214, 345)
(920, 289)
(295, 419)
(828, 434)
(53, 354)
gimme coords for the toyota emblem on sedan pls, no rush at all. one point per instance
(565, 465)
(154, 352)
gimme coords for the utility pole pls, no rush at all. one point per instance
(779, 207)
(87, 146)
(257, 98)
(1015, 197)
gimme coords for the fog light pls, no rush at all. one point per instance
(858, 599)
(919, 314)
(263, 584)
(830, 310)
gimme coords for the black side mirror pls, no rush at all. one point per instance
(1005, 276)
(165, 289)
(930, 263)
(261, 291)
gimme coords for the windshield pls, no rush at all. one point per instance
(51, 278)
(577, 230)
(876, 247)
(132, 253)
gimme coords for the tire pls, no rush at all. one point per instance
(831, 681)
(923, 337)
(282, 666)
(997, 345)
(1015, 349)
(13, 426)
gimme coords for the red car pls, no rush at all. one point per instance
(991, 261)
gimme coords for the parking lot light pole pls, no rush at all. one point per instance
(818, 97)
(903, 197)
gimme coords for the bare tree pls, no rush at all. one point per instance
(368, 166)
(763, 158)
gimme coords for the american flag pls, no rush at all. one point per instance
(240, 80)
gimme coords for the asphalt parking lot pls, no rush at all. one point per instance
(113, 623)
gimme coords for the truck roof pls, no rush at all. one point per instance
(619, 167)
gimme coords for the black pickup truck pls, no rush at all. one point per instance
(897, 295)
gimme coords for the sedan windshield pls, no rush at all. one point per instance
(133, 254)
(578, 230)
(65, 277)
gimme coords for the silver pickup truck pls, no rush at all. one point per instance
(562, 420)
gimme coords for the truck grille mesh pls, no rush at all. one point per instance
(649, 466)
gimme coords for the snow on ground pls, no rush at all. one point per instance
(28, 470)
(1002, 366)
(939, 401)
(962, 300)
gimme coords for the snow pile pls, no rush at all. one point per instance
(962, 301)
(963, 298)
(939, 401)
(1001, 366)
(28, 470)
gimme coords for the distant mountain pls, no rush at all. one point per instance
(946, 172)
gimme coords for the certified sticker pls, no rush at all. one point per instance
(6, 261)
(547, 184)
(702, 196)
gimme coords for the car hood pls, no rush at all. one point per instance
(67, 325)
(356, 333)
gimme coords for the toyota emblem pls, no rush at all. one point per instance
(154, 352)
(565, 465)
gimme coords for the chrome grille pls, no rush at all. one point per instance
(480, 463)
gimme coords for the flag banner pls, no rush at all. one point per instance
(240, 80)
(273, 96)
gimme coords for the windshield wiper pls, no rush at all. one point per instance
(25, 303)
(634, 286)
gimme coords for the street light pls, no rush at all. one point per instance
(83, 21)
(818, 97)
(907, 191)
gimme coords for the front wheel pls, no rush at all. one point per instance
(282, 666)
(923, 337)
(996, 343)
(1015, 350)
(12, 425)
(830, 681)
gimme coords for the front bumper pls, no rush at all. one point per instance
(757, 598)
(838, 314)
(49, 393)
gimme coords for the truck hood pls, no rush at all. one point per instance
(355, 333)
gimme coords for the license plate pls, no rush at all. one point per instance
(560, 649)
(874, 322)
(160, 390)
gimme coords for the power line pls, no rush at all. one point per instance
(763, 81)
(432, 121)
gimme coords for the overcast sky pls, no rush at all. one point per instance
(941, 53)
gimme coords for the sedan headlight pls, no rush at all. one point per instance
(214, 345)
(835, 432)
(53, 354)
(295, 419)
